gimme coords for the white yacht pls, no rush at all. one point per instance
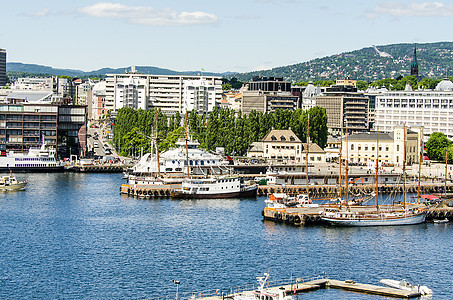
(41, 159)
(405, 285)
(215, 187)
(174, 161)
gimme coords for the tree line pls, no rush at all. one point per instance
(223, 127)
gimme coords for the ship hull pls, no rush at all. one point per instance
(365, 222)
(32, 169)
(248, 193)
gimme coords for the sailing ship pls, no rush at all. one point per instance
(382, 216)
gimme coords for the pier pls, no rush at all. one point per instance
(298, 286)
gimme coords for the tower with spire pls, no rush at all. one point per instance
(414, 65)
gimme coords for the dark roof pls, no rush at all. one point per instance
(370, 136)
(281, 136)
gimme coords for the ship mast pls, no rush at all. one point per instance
(157, 145)
(446, 169)
(341, 149)
(347, 169)
(306, 155)
(377, 169)
(420, 168)
(187, 149)
(404, 166)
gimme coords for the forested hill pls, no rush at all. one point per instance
(434, 60)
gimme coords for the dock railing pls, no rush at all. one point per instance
(221, 293)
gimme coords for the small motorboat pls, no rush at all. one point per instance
(10, 183)
(405, 285)
(439, 221)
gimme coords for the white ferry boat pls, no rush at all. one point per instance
(174, 161)
(41, 159)
(215, 187)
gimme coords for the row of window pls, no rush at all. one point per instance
(34, 159)
(359, 147)
(35, 165)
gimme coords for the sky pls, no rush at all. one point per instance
(217, 36)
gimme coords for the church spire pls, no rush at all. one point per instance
(414, 65)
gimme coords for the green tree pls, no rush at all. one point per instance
(226, 87)
(435, 147)
(362, 85)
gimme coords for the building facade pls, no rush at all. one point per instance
(146, 91)
(25, 125)
(199, 95)
(269, 84)
(360, 148)
(345, 107)
(284, 145)
(431, 109)
(267, 101)
(2, 67)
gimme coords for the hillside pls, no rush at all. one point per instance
(14, 67)
(434, 60)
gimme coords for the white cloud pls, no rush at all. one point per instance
(38, 13)
(399, 9)
(147, 15)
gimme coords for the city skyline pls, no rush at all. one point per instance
(245, 36)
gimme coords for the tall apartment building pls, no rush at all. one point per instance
(2, 67)
(267, 94)
(165, 92)
(345, 107)
(199, 95)
(431, 109)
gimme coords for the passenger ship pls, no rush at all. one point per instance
(173, 162)
(41, 159)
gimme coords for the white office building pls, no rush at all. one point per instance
(432, 109)
(199, 95)
(165, 92)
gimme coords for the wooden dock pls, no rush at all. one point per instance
(349, 285)
(323, 283)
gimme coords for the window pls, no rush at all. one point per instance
(352, 146)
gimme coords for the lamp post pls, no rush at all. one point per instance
(177, 287)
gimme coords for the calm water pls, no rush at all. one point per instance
(74, 236)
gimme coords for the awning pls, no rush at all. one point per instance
(429, 197)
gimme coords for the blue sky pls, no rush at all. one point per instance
(219, 36)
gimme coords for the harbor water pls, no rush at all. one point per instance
(73, 236)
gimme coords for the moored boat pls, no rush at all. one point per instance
(388, 216)
(10, 183)
(263, 293)
(215, 187)
(41, 159)
(405, 285)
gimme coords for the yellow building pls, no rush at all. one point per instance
(285, 146)
(361, 147)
